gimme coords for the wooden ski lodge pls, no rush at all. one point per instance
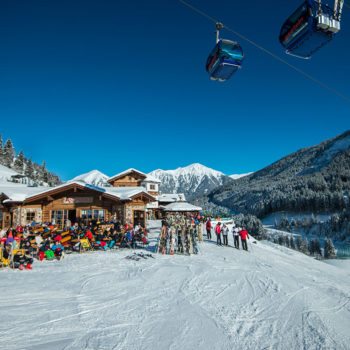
(126, 201)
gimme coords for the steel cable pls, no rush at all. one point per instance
(268, 52)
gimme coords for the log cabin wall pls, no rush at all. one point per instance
(128, 180)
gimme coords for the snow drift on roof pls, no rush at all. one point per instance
(181, 206)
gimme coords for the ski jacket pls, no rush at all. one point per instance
(217, 229)
(208, 225)
(88, 234)
(244, 234)
(235, 231)
(225, 231)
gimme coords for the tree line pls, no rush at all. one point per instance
(38, 174)
(312, 247)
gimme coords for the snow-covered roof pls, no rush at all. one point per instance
(181, 206)
(171, 197)
(151, 178)
(125, 193)
(21, 193)
(18, 192)
(125, 172)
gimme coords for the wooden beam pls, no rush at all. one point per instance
(50, 199)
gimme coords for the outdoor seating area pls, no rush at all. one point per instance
(21, 246)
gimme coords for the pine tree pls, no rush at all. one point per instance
(29, 171)
(304, 246)
(292, 242)
(287, 241)
(8, 153)
(298, 243)
(311, 247)
(317, 247)
(19, 163)
(280, 240)
(329, 250)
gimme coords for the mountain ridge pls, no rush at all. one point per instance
(313, 178)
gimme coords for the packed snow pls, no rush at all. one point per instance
(267, 298)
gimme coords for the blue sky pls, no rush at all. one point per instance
(112, 85)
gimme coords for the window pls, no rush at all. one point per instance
(295, 24)
(30, 216)
(152, 187)
(59, 217)
(93, 214)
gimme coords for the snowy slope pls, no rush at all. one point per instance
(193, 180)
(238, 176)
(224, 299)
(93, 177)
(338, 146)
(6, 173)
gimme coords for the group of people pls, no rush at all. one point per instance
(19, 246)
(222, 230)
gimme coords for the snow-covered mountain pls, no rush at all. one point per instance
(94, 177)
(193, 180)
(313, 179)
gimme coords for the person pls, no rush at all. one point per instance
(244, 235)
(218, 233)
(225, 231)
(235, 232)
(208, 227)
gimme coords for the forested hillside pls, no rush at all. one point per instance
(38, 174)
(313, 179)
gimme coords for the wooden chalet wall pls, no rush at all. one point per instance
(131, 179)
(77, 199)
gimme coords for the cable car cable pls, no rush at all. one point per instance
(268, 52)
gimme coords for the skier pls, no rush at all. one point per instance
(218, 233)
(244, 235)
(235, 232)
(225, 231)
(208, 227)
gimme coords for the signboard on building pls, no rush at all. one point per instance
(77, 200)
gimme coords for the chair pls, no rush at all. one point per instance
(85, 245)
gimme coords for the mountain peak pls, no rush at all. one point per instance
(193, 180)
(93, 177)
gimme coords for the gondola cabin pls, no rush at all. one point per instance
(224, 60)
(308, 29)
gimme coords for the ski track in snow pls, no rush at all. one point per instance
(222, 298)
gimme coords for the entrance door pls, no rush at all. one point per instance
(7, 220)
(139, 218)
(72, 216)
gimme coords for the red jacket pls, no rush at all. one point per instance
(88, 234)
(244, 234)
(217, 229)
(208, 225)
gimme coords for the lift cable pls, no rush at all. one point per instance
(268, 52)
